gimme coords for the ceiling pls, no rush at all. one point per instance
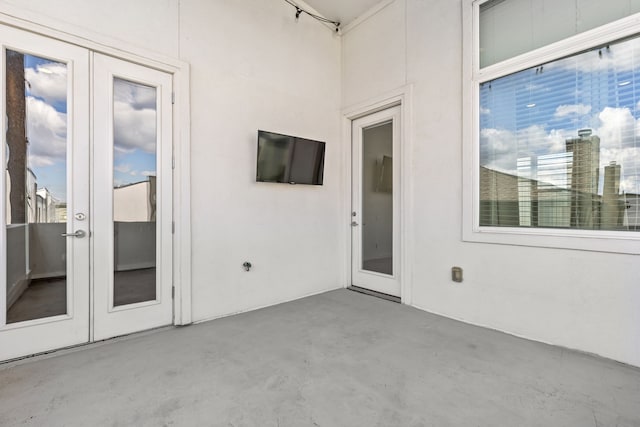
(343, 11)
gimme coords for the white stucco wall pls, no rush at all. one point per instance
(150, 25)
(577, 299)
(254, 67)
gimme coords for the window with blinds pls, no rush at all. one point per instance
(560, 143)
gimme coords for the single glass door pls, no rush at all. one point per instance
(375, 202)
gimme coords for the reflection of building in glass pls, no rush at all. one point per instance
(499, 198)
(612, 212)
(585, 168)
(554, 196)
(527, 188)
(543, 190)
(559, 191)
(631, 211)
(135, 202)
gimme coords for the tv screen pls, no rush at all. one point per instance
(289, 159)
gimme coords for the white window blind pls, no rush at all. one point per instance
(512, 27)
(560, 143)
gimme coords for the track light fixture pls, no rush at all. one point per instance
(300, 11)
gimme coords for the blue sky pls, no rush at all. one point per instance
(537, 109)
(134, 127)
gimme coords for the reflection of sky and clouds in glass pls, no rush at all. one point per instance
(134, 127)
(134, 132)
(533, 112)
(46, 99)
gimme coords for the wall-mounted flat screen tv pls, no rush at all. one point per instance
(289, 159)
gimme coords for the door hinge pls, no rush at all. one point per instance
(173, 98)
(173, 227)
(173, 292)
(173, 162)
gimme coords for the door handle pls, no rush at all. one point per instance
(79, 233)
(354, 224)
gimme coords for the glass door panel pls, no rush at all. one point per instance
(36, 176)
(134, 192)
(132, 204)
(377, 198)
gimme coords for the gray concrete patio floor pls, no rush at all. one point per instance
(335, 359)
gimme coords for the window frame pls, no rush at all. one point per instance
(626, 242)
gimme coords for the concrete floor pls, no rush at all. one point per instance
(336, 359)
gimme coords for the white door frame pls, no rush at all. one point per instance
(399, 97)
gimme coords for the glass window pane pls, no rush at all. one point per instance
(134, 192)
(36, 183)
(512, 27)
(377, 198)
(560, 143)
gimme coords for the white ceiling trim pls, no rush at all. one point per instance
(347, 11)
(366, 15)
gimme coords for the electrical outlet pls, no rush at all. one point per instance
(456, 274)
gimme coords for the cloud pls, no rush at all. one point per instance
(500, 149)
(496, 149)
(535, 140)
(485, 110)
(134, 117)
(133, 128)
(148, 173)
(48, 81)
(138, 96)
(617, 127)
(566, 110)
(125, 169)
(47, 133)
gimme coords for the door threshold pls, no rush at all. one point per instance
(4, 364)
(376, 294)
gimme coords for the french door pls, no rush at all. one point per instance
(132, 248)
(86, 196)
(375, 216)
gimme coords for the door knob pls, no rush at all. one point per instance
(79, 233)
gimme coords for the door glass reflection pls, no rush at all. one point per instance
(36, 187)
(377, 198)
(134, 192)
